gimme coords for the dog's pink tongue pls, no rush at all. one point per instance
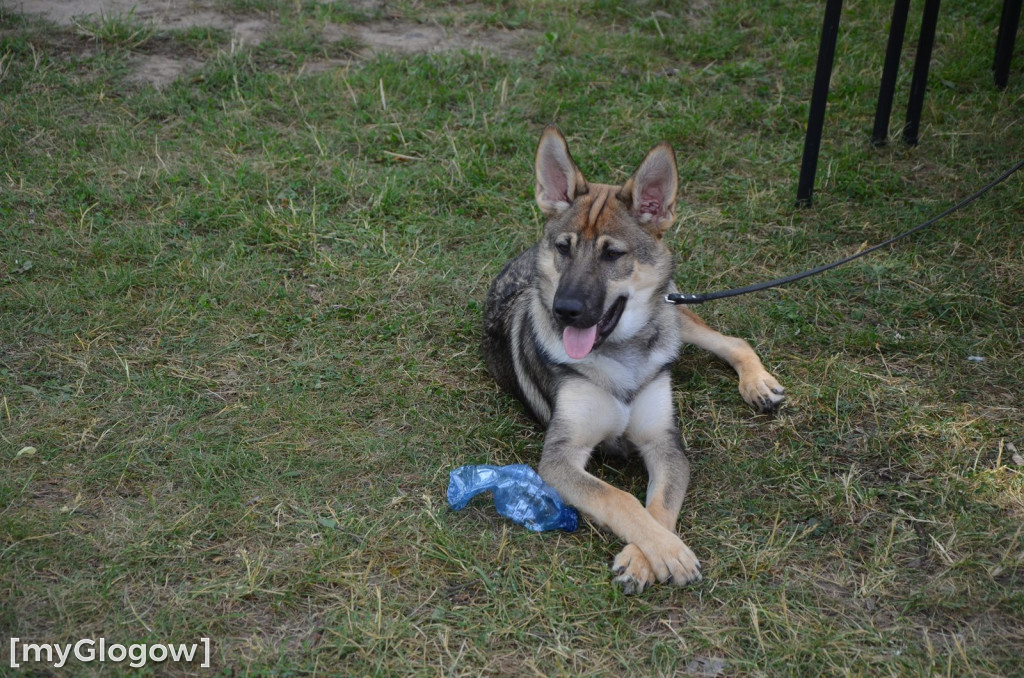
(577, 342)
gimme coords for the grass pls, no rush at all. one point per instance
(116, 30)
(239, 317)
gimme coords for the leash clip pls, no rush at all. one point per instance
(678, 299)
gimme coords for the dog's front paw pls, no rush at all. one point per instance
(633, 572)
(762, 391)
(672, 561)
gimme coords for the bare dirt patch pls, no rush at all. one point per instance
(411, 37)
(161, 14)
(159, 69)
(393, 35)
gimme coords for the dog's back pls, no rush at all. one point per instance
(509, 342)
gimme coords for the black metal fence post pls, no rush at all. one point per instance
(819, 100)
(1004, 43)
(898, 27)
(920, 81)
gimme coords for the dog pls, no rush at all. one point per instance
(577, 329)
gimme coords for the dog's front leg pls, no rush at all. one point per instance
(584, 416)
(652, 430)
(757, 386)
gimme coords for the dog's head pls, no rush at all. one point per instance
(602, 261)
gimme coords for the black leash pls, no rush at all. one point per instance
(757, 287)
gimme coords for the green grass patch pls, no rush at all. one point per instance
(121, 30)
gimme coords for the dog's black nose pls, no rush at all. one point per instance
(568, 310)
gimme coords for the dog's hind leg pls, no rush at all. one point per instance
(757, 386)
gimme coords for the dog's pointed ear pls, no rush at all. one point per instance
(559, 181)
(651, 191)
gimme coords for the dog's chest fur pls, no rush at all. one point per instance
(620, 367)
(523, 347)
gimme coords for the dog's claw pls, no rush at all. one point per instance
(762, 391)
(630, 586)
(633, 571)
(768, 406)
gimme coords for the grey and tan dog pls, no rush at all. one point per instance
(577, 328)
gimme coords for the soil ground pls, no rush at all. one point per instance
(393, 34)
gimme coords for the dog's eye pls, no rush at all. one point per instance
(563, 247)
(612, 254)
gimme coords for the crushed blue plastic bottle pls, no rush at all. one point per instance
(519, 494)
